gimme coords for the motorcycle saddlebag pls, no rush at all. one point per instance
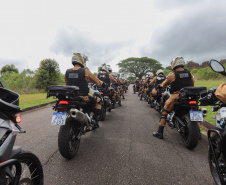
(62, 90)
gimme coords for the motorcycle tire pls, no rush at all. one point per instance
(191, 136)
(68, 141)
(103, 113)
(32, 171)
(212, 163)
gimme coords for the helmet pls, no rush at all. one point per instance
(79, 58)
(114, 74)
(177, 62)
(151, 74)
(159, 71)
(109, 69)
(143, 78)
(137, 78)
(104, 68)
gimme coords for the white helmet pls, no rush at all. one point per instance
(79, 58)
(109, 69)
(159, 71)
(151, 74)
(137, 78)
(177, 62)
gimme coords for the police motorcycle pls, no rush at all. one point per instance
(74, 115)
(186, 115)
(17, 166)
(103, 94)
(158, 102)
(217, 136)
(136, 89)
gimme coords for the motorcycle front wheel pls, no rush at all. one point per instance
(219, 178)
(191, 133)
(32, 172)
(68, 141)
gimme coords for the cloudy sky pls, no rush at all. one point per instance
(108, 31)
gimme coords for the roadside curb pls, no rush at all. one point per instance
(206, 125)
(38, 106)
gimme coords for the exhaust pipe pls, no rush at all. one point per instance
(78, 115)
(204, 112)
(106, 98)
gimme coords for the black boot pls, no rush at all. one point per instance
(113, 105)
(140, 97)
(159, 133)
(97, 116)
(123, 97)
(119, 103)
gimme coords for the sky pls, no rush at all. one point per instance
(109, 31)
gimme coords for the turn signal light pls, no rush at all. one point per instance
(101, 93)
(63, 102)
(192, 102)
(18, 118)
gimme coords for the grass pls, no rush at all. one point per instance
(30, 100)
(209, 84)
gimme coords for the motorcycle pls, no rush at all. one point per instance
(186, 115)
(106, 102)
(136, 89)
(74, 115)
(217, 136)
(156, 104)
(17, 166)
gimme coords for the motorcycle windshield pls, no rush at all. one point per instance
(2, 83)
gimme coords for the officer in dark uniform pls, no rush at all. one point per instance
(107, 78)
(156, 81)
(79, 76)
(178, 79)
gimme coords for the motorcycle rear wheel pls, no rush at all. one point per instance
(32, 172)
(219, 157)
(191, 135)
(68, 142)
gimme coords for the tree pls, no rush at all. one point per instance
(47, 74)
(139, 67)
(192, 65)
(9, 69)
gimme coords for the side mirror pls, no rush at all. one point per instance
(217, 67)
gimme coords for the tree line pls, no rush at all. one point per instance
(29, 82)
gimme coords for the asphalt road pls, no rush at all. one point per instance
(121, 151)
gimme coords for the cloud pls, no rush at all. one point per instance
(197, 33)
(72, 40)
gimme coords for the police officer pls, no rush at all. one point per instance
(117, 88)
(178, 79)
(149, 78)
(79, 76)
(106, 77)
(156, 81)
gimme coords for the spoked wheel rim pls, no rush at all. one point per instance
(73, 140)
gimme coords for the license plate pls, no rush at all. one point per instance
(196, 116)
(59, 118)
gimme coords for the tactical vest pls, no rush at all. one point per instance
(159, 80)
(105, 78)
(77, 78)
(183, 79)
(150, 86)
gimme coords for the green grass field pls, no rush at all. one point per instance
(30, 100)
(209, 84)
